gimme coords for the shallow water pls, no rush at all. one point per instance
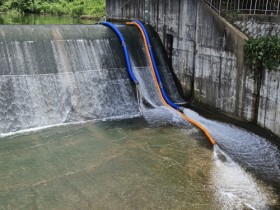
(122, 165)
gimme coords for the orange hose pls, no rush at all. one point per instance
(202, 128)
(151, 63)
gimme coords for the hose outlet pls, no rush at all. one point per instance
(181, 109)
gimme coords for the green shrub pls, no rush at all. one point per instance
(263, 52)
(78, 10)
(58, 9)
(95, 8)
(44, 8)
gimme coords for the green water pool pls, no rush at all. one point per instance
(108, 165)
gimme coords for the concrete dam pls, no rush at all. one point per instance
(206, 53)
(76, 132)
(57, 74)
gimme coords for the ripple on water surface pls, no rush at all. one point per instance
(114, 165)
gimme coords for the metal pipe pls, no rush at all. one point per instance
(255, 6)
(251, 6)
(278, 7)
(266, 6)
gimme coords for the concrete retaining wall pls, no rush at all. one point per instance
(269, 106)
(206, 53)
(258, 25)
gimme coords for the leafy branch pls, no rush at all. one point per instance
(94, 8)
(263, 52)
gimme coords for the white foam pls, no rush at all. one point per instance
(37, 129)
(233, 187)
(253, 151)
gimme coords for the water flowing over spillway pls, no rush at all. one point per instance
(57, 74)
(53, 75)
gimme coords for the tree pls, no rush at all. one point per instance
(23, 5)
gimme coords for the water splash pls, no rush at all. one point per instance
(236, 189)
(253, 152)
(150, 105)
(37, 129)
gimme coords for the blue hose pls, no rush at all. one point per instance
(168, 101)
(128, 63)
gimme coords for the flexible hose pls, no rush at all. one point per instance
(155, 67)
(158, 82)
(120, 36)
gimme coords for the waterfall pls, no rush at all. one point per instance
(52, 75)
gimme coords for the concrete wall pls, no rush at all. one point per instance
(174, 20)
(258, 25)
(207, 56)
(269, 106)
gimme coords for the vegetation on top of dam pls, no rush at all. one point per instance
(262, 52)
(76, 8)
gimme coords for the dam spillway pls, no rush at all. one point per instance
(56, 74)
